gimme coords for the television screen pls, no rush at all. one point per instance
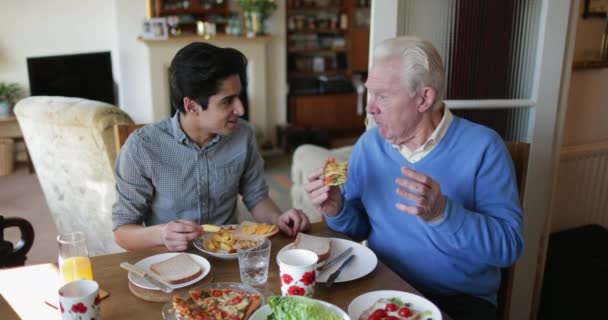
(85, 75)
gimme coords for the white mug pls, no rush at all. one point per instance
(298, 272)
(80, 300)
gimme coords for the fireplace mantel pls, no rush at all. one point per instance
(161, 52)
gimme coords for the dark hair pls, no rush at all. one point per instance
(198, 69)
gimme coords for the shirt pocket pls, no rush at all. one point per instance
(225, 184)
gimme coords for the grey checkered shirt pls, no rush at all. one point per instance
(162, 176)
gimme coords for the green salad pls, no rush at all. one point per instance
(298, 308)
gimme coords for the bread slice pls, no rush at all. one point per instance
(319, 245)
(177, 269)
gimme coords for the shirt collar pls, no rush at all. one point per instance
(435, 137)
(181, 137)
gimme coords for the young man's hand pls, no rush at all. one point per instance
(293, 221)
(177, 234)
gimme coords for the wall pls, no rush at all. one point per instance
(37, 28)
(579, 198)
(135, 91)
(587, 115)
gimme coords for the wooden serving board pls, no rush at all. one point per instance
(159, 296)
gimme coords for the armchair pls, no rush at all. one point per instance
(306, 158)
(71, 143)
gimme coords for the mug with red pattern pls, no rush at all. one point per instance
(80, 300)
(298, 269)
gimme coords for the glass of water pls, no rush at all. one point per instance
(253, 260)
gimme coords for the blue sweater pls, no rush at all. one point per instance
(480, 233)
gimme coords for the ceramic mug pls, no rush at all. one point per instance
(298, 272)
(80, 300)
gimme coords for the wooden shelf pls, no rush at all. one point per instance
(589, 64)
(169, 12)
(218, 37)
(316, 8)
(295, 74)
(316, 31)
(316, 51)
(194, 9)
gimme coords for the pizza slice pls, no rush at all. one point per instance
(334, 173)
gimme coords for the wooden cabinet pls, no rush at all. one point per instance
(326, 39)
(332, 112)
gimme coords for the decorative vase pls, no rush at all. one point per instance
(255, 23)
(5, 109)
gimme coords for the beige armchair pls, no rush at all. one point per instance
(306, 158)
(71, 143)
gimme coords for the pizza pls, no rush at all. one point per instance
(334, 173)
(216, 304)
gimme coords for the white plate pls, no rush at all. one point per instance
(198, 243)
(365, 261)
(238, 234)
(263, 312)
(365, 301)
(145, 264)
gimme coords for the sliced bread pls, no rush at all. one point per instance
(319, 245)
(177, 269)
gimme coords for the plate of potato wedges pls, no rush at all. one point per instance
(220, 241)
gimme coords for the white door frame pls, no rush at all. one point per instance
(548, 104)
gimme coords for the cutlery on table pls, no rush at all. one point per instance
(335, 275)
(335, 259)
(144, 274)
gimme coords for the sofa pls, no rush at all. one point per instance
(71, 143)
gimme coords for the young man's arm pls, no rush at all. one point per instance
(175, 235)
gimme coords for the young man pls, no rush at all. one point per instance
(188, 170)
(434, 194)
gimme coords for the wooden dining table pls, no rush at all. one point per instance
(25, 289)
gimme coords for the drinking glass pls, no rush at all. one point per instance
(253, 260)
(74, 262)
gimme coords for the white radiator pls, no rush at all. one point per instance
(582, 187)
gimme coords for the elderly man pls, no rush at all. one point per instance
(189, 169)
(434, 194)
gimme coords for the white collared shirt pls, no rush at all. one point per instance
(431, 142)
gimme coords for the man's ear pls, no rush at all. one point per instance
(426, 99)
(190, 106)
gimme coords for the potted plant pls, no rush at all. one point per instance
(256, 12)
(9, 93)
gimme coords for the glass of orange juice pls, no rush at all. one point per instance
(74, 262)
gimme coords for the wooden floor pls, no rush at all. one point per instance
(22, 196)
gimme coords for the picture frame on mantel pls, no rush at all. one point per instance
(155, 29)
(595, 9)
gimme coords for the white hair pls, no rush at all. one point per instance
(421, 64)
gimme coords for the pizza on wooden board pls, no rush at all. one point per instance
(216, 304)
(334, 173)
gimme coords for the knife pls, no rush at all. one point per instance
(335, 259)
(142, 273)
(335, 275)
